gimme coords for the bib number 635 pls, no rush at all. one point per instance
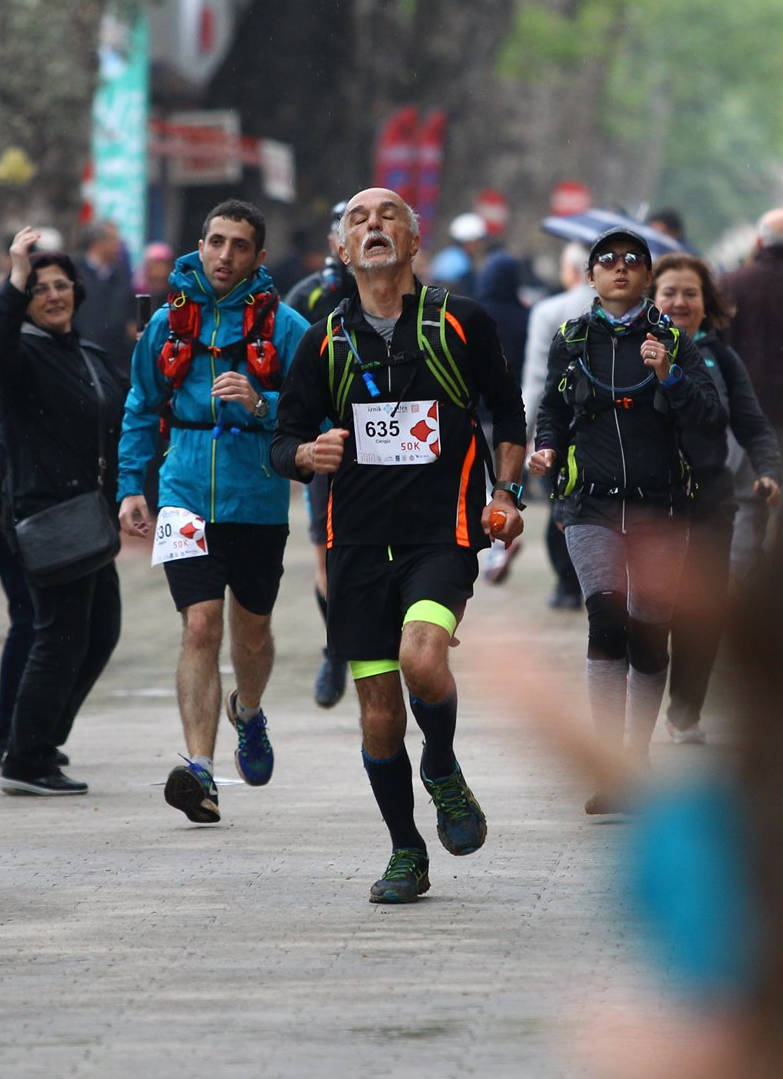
(381, 429)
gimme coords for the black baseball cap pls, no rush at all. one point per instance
(618, 232)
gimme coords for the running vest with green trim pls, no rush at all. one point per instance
(588, 395)
(255, 346)
(432, 318)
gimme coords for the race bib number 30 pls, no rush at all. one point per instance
(178, 534)
(397, 434)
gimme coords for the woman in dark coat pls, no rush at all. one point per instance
(51, 414)
(683, 288)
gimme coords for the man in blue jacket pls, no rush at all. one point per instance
(211, 363)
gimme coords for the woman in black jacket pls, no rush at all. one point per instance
(683, 288)
(51, 413)
(622, 383)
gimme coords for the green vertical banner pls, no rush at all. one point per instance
(119, 139)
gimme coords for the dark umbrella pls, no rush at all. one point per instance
(585, 227)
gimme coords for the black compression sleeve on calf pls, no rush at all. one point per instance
(392, 784)
(647, 646)
(438, 723)
(607, 617)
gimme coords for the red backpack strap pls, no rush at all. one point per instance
(259, 325)
(184, 325)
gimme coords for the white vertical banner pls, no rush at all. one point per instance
(278, 176)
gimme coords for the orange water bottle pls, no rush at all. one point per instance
(497, 521)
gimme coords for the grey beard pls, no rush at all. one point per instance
(390, 258)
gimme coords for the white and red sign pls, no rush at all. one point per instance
(570, 197)
(492, 205)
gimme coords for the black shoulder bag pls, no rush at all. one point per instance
(67, 541)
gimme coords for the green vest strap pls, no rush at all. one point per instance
(450, 379)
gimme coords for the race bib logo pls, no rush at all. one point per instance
(194, 530)
(428, 430)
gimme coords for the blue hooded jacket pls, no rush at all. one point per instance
(223, 479)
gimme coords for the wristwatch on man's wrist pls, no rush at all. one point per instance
(261, 408)
(516, 490)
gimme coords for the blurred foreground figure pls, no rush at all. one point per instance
(699, 859)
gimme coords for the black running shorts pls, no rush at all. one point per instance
(371, 588)
(248, 558)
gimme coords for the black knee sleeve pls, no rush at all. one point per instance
(647, 646)
(607, 619)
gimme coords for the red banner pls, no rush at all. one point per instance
(409, 158)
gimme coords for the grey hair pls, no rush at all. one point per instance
(575, 254)
(770, 228)
(413, 222)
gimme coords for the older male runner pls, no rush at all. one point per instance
(398, 370)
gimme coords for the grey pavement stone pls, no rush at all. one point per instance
(132, 942)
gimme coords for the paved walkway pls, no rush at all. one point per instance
(133, 943)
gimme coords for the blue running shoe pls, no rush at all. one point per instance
(253, 756)
(192, 789)
(405, 879)
(462, 826)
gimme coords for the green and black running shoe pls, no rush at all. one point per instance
(192, 789)
(462, 826)
(405, 879)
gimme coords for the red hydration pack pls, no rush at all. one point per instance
(258, 324)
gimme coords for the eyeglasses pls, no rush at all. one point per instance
(53, 286)
(630, 258)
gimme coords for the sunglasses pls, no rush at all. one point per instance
(630, 258)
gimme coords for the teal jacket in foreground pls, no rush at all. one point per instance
(224, 479)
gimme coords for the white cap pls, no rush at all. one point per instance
(467, 227)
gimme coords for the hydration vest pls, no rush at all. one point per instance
(255, 346)
(182, 345)
(432, 320)
(588, 395)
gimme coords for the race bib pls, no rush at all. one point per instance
(178, 534)
(407, 433)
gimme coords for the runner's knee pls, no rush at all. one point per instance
(607, 618)
(202, 626)
(647, 646)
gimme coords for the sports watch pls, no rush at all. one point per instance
(514, 489)
(261, 408)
